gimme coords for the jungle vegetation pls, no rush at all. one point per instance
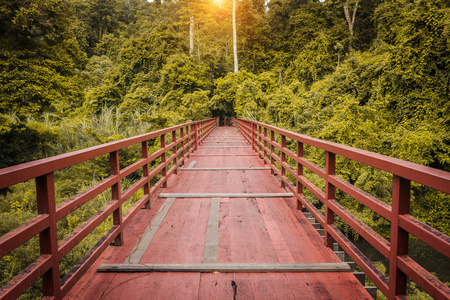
(372, 74)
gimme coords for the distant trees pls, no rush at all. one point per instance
(39, 58)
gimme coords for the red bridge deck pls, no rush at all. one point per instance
(214, 226)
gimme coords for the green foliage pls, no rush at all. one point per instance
(24, 141)
(38, 58)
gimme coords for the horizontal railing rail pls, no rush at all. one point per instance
(401, 267)
(185, 140)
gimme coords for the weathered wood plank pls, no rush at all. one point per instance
(225, 195)
(138, 251)
(212, 233)
(181, 236)
(227, 267)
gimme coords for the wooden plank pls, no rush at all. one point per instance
(138, 251)
(191, 245)
(225, 169)
(276, 237)
(181, 236)
(299, 235)
(224, 253)
(208, 286)
(227, 267)
(225, 195)
(165, 247)
(224, 135)
(225, 147)
(222, 142)
(212, 233)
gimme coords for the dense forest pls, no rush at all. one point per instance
(372, 74)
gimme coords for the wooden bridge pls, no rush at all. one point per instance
(224, 215)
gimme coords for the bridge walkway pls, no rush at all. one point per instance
(202, 221)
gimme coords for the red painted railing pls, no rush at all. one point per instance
(185, 139)
(263, 140)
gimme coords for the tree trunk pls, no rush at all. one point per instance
(350, 21)
(191, 37)
(198, 45)
(235, 39)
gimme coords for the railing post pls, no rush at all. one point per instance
(265, 145)
(201, 128)
(188, 150)
(283, 160)
(272, 150)
(298, 204)
(175, 150)
(48, 238)
(329, 195)
(116, 194)
(194, 129)
(217, 122)
(146, 172)
(260, 142)
(225, 121)
(182, 144)
(163, 160)
(401, 193)
(204, 126)
(253, 136)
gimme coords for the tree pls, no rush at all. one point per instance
(235, 53)
(191, 36)
(350, 20)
